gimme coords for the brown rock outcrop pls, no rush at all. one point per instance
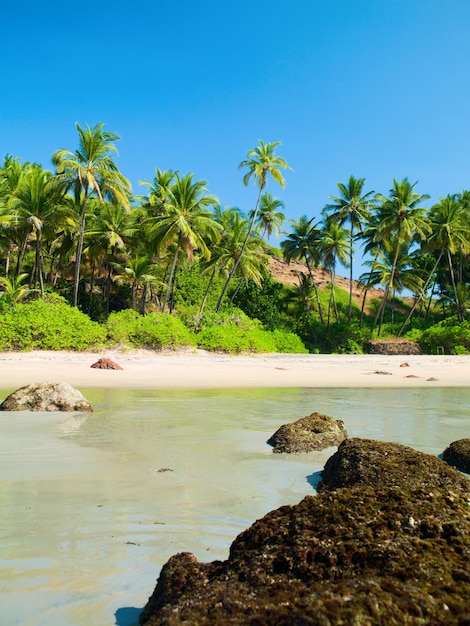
(46, 397)
(379, 552)
(371, 463)
(313, 432)
(392, 347)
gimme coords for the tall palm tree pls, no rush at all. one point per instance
(261, 163)
(91, 170)
(303, 244)
(270, 219)
(37, 203)
(403, 220)
(335, 247)
(186, 223)
(449, 236)
(353, 206)
(113, 227)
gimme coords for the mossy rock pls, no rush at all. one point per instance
(313, 432)
(392, 551)
(457, 454)
(372, 463)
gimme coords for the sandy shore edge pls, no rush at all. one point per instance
(203, 370)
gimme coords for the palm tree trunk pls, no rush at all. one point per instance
(242, 250)
(351, 232)
(170, 279)
(78, 257)
(204, 300)
(421, 295)
(315, 289)
(381, 311)
(454, 286)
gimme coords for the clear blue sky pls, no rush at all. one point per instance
(374, 88)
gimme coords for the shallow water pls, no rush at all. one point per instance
(87, 519)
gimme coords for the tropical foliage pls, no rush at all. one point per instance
(175, 268)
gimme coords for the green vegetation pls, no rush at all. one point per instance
(83, 261)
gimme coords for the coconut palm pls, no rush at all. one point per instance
(402, 219)
(335, 246)
(113, 227)
(261, 163)
(88, 171)
(303, 244)
(139, 272)
(270, 219)
(37, 204)
(14, 290)
(186, 223)
(353, 206)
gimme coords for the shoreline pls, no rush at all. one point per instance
(198, 369)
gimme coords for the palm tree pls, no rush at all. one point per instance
(139, 271)
(13, 289)
(186, 223)
(335, 247)
(403, 220)
(353, 206)
(449, 235)
(37, 203)
(303, 244)
(269, 219)
(261, 162)
(396, 270)
(113, 227)
(91, 170)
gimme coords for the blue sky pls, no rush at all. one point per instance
(374, 88)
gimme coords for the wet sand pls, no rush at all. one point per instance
(204, 370)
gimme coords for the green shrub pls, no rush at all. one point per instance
(48, 325)
(156, 330)
(288, 343)
(449, 334)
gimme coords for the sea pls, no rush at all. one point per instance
(93, 505)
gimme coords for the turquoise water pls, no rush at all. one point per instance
(87, 519)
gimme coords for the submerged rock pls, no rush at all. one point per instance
(46, 397)
(367, 554)
(313, 432)
(457, 454)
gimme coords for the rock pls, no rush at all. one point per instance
(360, 555)
(370, 463)
(313, 432)
(457, 454)
(106, 364)
(392, 347)
(46, 397)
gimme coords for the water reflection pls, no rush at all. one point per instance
(87, 519)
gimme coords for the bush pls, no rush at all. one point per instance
(235, 339)
(48, 325)
(450, 334)
(288, 343)
(155, 330)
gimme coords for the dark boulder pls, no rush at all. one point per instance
(457, 454)
(313, 432)
(375, 554)
(371, 463)
(46, 397)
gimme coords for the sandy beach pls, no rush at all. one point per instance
(204, 370)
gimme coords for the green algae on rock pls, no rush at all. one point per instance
(390, 551)
(457, 454)
(313, 432)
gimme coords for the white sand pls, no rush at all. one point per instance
(200, 369)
